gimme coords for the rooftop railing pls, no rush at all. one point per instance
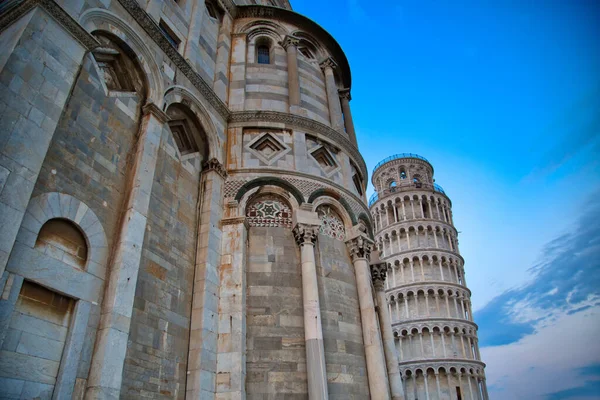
(398, 156)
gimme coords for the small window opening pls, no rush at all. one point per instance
(402, 175)
(169, 34)
(357, 184)
(416, 180)
(212, 12)
(393, 184)
(263, 54)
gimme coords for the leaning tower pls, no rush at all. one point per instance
(426, 292)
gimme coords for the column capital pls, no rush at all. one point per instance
(215, 165)
(305, 233)
(345, 94)
(288, 41)
(151, 108)
(360, 247)
(378, 271)
(328, 63)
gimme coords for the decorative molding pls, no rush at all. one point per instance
(14, 10)
(235, 221)
(305, 234)
(297, 121)
(214, 165)
(360, 247)
(152, 29)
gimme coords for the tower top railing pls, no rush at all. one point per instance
(398, 156)
(397, 189)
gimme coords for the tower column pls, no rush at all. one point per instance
(333, 97)
(360, 247)
(348, 122)
(290, 44)
(305, 233)
(378, 275)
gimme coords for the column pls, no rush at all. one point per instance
(202, 351)
(231, 350)
(378, 275)
(111, 342)
(290, 44)
(395, 212)
(437, 385)
(348, 122)
(486, 396)
(426, 385)
(237, 66)
(333, 98)
(406, 306)
(221, 80)
(360, 247)
(403, 211)
(28, 123)
(305, 231)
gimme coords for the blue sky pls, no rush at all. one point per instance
(503, 97)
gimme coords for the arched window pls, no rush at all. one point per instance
(402, 175)
(393, 184)
(263, 54)
(416, 180)
(61, 239)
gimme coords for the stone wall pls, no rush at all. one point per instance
(157, 354)
(342, 332)
(276, 355)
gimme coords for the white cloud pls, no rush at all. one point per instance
(548, 360)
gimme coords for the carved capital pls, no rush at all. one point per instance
(305, 234)
(328, 63)
(378, 275)
(214, 165)
(360, 247)
(345, 94)
(288, 41)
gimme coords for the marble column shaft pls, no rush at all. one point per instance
(378, 274)
(306, 235)
(333, 97)
(290, 44)
(348, 121)
(360, 248)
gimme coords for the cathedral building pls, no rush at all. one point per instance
(183, 216)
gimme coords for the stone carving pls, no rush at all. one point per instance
(268, 148)
(331, 224)
(378, 275)
(345, 94)
(289, 41)
(269, 212)
(328, 63)
(360, 247)
(305, 234)
(214, 165)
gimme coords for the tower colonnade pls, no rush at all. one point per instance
(426, 294)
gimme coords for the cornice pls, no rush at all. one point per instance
(152, 29)
(434, 321)
(424, 285)
(394, 226)
(13, 10)
(244, 117)
(422, 251)
(438, 362)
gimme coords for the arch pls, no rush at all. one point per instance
(339, 208)
(179, 94)
(336, 196)
(268, 209)
(64, 235)
(262, 181)
(263, 27)
(96, 19)
(56, 205)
